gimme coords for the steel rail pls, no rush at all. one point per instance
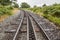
(33, 28)
(31, 31)
(15, 36)
(27, 28)
(40, 28)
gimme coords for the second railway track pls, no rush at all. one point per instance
(39, 34)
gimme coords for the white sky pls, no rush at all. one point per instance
(38, 2)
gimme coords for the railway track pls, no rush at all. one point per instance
(30, 27)
(39, 34)
(51, 31)
(29, 30)
(11, 28)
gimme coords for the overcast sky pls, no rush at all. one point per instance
(38, 2)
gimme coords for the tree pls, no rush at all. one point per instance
(16, 5)
(44, 5)
(5, 2)
(35, 6)
(25, 5)
(13, 0)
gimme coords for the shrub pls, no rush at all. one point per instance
(57, 13)
(5, 10)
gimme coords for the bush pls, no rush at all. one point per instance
(10, 7)
(57, 13)
(51, 12)
(5, 10)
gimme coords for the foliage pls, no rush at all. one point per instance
(16, 5)
(6, 7)
(25, 5)
(44, 5)
(5, 10)
(57, 13)
(35, 6)
(51, 12)
(5, 2)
